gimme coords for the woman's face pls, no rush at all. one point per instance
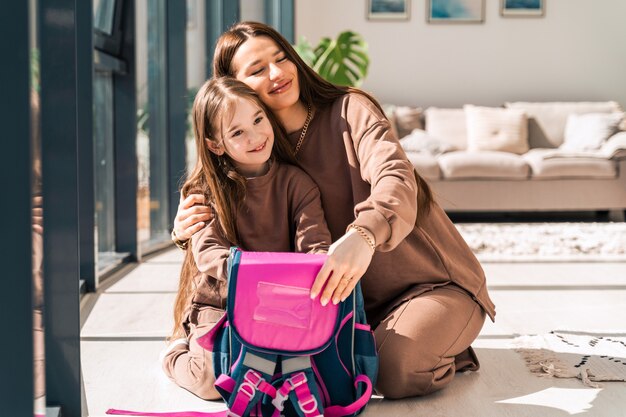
(261, 64)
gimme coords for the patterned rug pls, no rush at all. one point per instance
(588, 357)
(546, 242)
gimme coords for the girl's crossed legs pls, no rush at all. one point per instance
(187, 363)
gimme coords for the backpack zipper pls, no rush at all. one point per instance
(353, 326)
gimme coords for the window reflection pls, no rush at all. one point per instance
(196, 68)
(103, 166)
(39, 369)
(152, 151)
(103, 14)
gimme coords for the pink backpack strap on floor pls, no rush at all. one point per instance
(224, 413)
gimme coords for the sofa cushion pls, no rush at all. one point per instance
(590, 130)
(407, 119)
(448, 125)
(496, 129)
(551, 163)
(485, 164)
(546, 124)
(425, 164)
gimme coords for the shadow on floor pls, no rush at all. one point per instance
(505, 387)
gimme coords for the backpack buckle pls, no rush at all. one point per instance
(250, 384)
(308, 406)
(289, 385)
(279, 401)
(253, 377)
(296, 380)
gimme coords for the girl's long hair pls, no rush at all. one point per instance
(314, 89)
(214, 176)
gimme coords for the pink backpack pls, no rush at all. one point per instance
(278, 352)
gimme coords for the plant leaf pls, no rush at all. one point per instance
(343, 61)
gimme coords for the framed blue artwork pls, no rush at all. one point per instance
(456, 11)
(388, 9)
(522, 8)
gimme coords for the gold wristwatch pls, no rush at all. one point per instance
(182, 244)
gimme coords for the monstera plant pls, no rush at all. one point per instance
(342, 61)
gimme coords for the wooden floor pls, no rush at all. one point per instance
(125, 324)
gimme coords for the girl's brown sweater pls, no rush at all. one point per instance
(282, 212)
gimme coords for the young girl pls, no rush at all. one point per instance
(259, 202)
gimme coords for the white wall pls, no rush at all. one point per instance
(196, 40)
(577, 51)
(252, 10)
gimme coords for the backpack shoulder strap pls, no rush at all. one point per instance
(299, 388)
(250, 380)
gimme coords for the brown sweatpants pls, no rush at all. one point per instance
(421, 344)
(190, 365)
(425, 340)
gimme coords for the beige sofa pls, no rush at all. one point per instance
(469, 160)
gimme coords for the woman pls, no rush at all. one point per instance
(425, 292)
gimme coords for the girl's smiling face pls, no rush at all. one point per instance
(247, 138)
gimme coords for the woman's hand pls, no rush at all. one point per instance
(192, 216)
(348, 259)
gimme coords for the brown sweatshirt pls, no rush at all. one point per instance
(365, 178)
(282, 212)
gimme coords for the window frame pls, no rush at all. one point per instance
(111, 43)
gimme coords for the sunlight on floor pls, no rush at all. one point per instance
(573, 401)
(129, 319)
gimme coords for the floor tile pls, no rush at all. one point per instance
(551, 274)
(174, 256)
(149, 278)
(128, 376)
(531, 312)
(130, 315)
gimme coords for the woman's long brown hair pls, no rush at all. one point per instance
(314, 89)
(214, 176)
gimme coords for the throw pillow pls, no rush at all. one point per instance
(589, 131)
(496, 129)
(447, 125)
(407, 119)
(420, 141)
(546, 126)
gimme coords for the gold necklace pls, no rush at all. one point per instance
(304, 128)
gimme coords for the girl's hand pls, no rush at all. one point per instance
(191, 217)
(348, 260)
